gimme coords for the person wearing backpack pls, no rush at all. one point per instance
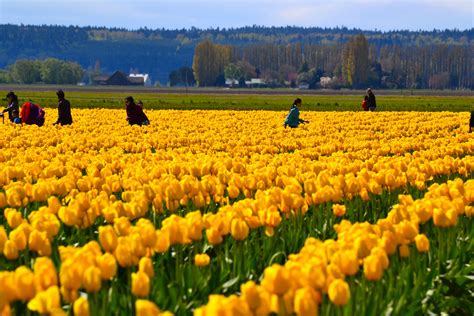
(32, 114)
(64, 110)
(371, 103)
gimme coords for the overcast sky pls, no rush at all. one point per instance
(132, 14)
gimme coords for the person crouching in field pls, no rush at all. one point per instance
(32, 114)
(64, 110)
(135, 114)
(293, 118)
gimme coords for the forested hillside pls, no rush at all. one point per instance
(158, 52)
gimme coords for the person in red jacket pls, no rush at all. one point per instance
(365, 105)
(135, 114)
(32, 114)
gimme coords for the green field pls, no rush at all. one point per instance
(227, 100)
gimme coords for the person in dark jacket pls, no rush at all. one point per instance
(135, 114)
(293, 118)
(13, 106)
(371, 103)
(64, 110)
(471, 121)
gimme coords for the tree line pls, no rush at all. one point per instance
(160, 51)
(354, 64)
(49, 71)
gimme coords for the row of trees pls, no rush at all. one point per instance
(355, 64)
(49, 71)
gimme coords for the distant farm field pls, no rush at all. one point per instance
(227, 99)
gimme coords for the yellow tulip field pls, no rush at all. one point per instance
(229, 213)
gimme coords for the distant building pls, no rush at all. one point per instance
(143, 78)
(118, 78)
(100, 80)
(303, 86)
(255, 83)
(231, 82)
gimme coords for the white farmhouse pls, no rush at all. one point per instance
(145, 78)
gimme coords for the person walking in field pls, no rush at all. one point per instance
(471, 120)
(293, 118)
(13, 107)
(64, 110)
(135, 114)
(371, 102)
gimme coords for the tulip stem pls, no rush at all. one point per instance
(282, 309)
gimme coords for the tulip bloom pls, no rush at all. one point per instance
(146, 265)
(140, 284)
(107, 238)
(339, 292)
(81, 307)
(422, 243)
(202, 260)
(92, 279)
(276, 280)
(339, 210)
(146, 308)
(239, 229)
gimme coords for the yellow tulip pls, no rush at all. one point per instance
(213, 236)
(251, 294)
(107, 265)
(3, 238)
(140, 284)
(202, 260)
(233, 192)
(162, 242)
(146, 265)
(10, 250)
(19, 237)
(69, 275)
(81, 307)
(373, 268)
(339, 292)
(404, 251)
(3, 200)
(92, 280)
(107, 238)
(339, 210)
(45, 274)
(239, 229)
(349, 262)
(306, 302)
(46, 302)
(14, 218)
(54, 204)
(422, 243)
(146, 308)
(25, 281)
(276, 279)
